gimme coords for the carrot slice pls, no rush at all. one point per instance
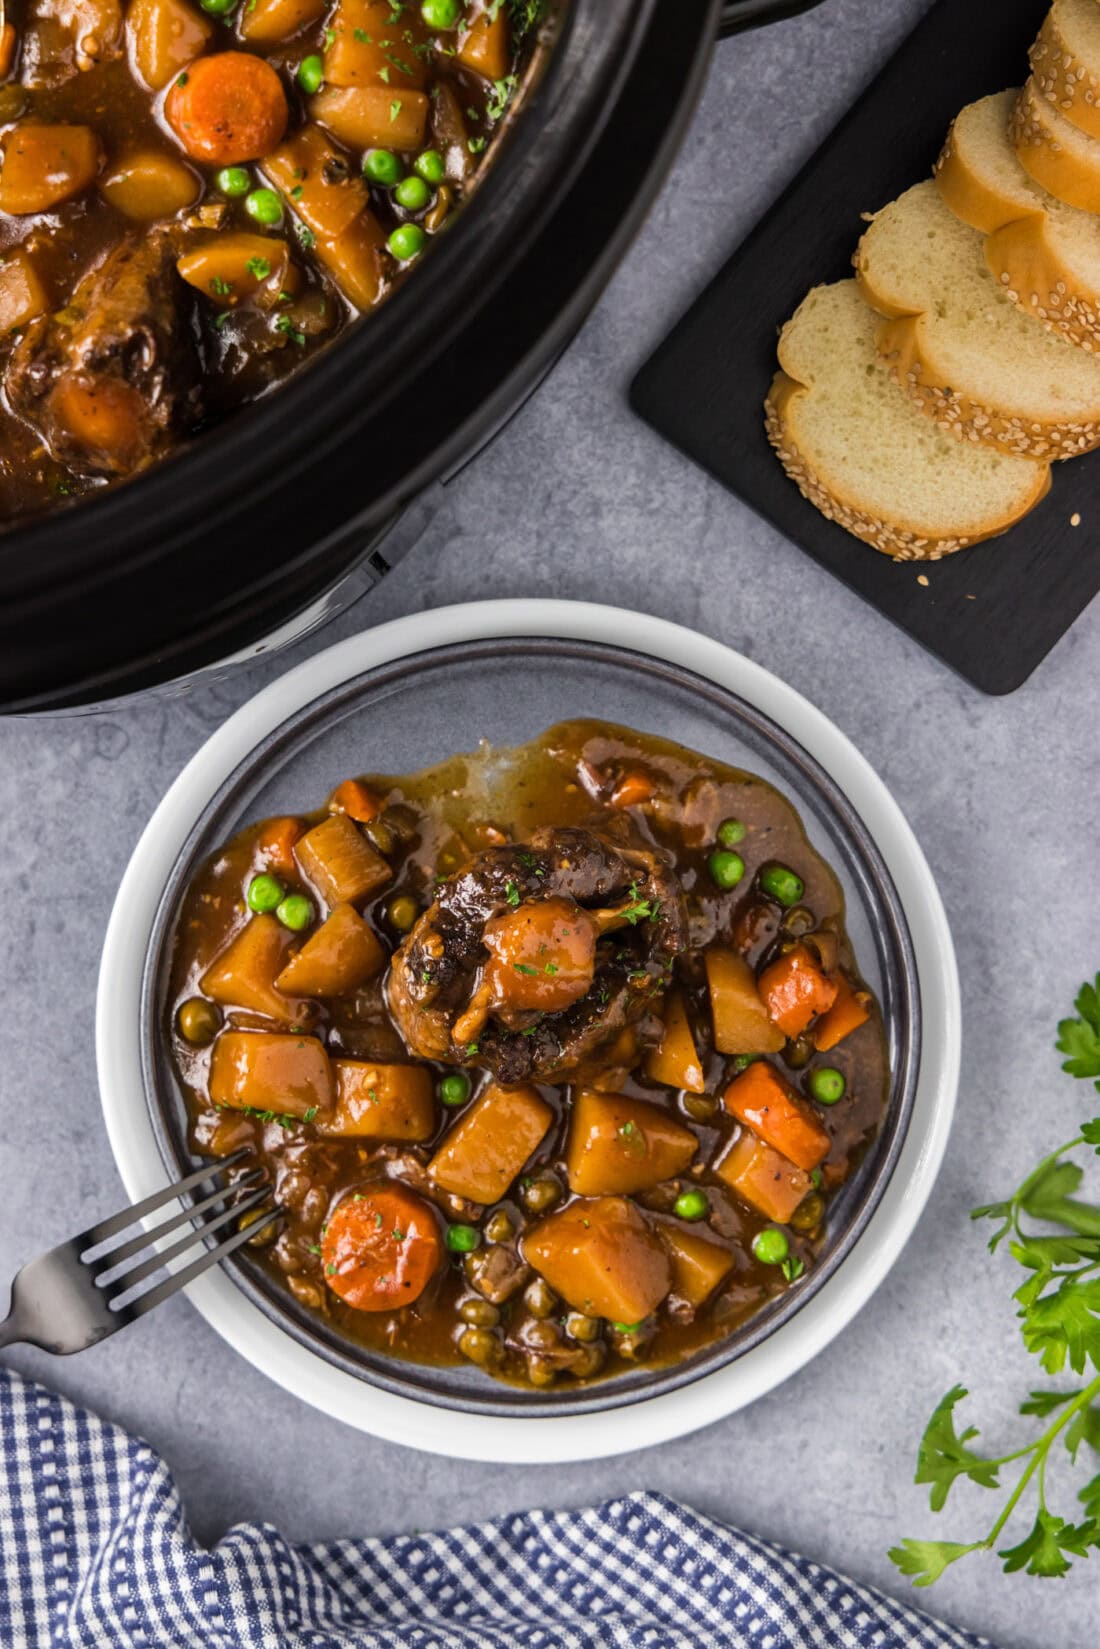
(275, 845)
(632, 790)
(353, 798)
(227, 108)
(381, 1249)
(850, 1010)
(761, 1099)
(795, 991)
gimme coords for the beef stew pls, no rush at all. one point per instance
(196, 197)
(555, 1063)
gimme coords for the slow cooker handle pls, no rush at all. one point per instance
(750, 14)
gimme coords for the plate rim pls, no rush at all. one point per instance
(564, 1437)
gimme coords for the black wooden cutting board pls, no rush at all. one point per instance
(992, 612)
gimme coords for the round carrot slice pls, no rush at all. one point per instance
(227, 108)
(381, 1248)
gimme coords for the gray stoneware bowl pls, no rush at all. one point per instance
(419, 708)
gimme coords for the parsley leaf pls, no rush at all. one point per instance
(925, 1560)
(943, 1454)
(1080, 1037)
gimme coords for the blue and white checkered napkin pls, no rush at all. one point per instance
(95, 1552)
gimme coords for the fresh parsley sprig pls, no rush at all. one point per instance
(1058, 1305)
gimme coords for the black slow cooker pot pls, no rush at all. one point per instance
(173, 572)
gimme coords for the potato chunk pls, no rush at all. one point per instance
(367, 48)
(230, 269)
(316, 180)
(355, 260)
(372, 117)
(620, 1145)
(22, 294)
(148, 185)
(244, 974)
(44, 165)
(342, 955)
(340, 862)
(763, 1178)
(393, 1102)
(603, 1257)
(485, 49)
(698, 1265)
(675, 1059)
(267, 1071)
(164, 36)
(491, 1142)
(741, 1023)
(264, 22)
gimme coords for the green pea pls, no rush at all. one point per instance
(406, 242)
(454, 1088)
(403, 912)
(311, 74)
(265, 893)
(731, 831)
(691, 1205)
(771, 1247)
(295, 912)
(233, 181)
(743, 1061)
(463, 1239)
(413, 194)
(726, 869)
(380, 166)
(827, 1085)
(626, 1328)
(218, 8)
(782, 884)
(440, 14)
(431, 166)
(264, 206)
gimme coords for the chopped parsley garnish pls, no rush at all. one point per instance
(524, 967)
(258, 268)
(511, 893)
(499, 97)
(220, 288)
(285, 324)
(395, 109)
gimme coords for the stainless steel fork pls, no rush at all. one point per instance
(84, 1290)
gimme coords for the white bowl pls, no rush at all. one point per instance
(564, 1436)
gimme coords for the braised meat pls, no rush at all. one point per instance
(112, 380)
(532, 958)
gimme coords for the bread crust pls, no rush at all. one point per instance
(968, 195)
(1022, 247)
(891, 538)
(1064, 80)
(1063, 172)
(905, 347)
(1032, 273)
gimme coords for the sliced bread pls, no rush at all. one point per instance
(1055, 153)
(1065, 61)
(866, 458)
(1046, 255)
(960, 348)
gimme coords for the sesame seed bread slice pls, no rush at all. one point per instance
(1065, 62)
(866, 458)
(1045, 255)
(961, 349)
(1054, 153)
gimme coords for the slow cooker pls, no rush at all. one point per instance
(295, 507)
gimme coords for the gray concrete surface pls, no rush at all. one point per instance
(1002, 794)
